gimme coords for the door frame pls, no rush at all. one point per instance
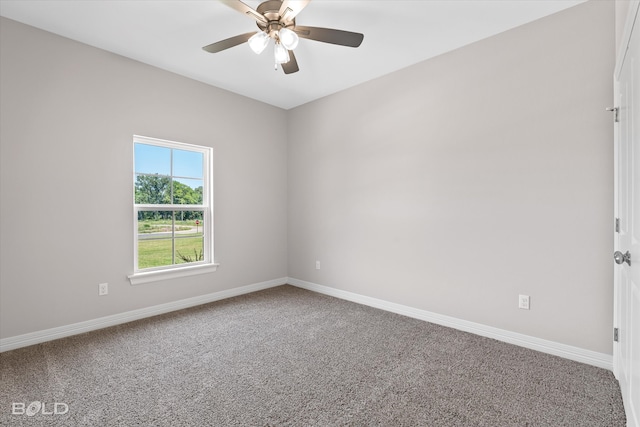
(633, 12)
(632, 18)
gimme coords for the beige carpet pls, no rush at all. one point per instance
(290, 357)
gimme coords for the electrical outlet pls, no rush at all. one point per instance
(317, 265)
(103, 289)
(523, 302)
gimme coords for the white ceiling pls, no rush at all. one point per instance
(170, 35)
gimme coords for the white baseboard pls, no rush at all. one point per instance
(577, 354)
(569, 352)
(32, 338)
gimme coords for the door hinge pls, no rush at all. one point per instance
(614, 110)
(615, 334)
(617, 225)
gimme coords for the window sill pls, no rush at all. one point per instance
(154, 276)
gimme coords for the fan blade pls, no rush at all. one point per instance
(291, 8)
(227, 43)
(245, 10)
(329, 35)
(291, 66)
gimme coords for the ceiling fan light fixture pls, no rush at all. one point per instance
(259, 41)
(277, 20)
(288, 38)
(281, 54)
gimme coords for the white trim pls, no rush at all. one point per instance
(566, 351)
(32, 338)
(633, 19)
(206, 207)
(577, 354)
(632, 13)
(169, 144)
(173, 273)
(616, 271)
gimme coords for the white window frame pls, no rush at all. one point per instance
(207, 265)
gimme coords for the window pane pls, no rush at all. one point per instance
(153, 189)
(189, 249)
(187, 164)
(189, 236)
(152, 159)
(155, 238)
(169, 177)
(187, 191)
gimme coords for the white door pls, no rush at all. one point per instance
(627, 238)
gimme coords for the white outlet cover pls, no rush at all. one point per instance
(103, 289)
(523, 302)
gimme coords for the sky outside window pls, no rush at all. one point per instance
(187, 165)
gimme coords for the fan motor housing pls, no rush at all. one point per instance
(270, 9)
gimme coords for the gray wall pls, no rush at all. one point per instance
(456, 184)
(450, 186)
(68, 115)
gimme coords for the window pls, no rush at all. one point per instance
(173, 218)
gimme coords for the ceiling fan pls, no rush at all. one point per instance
(276, 20)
